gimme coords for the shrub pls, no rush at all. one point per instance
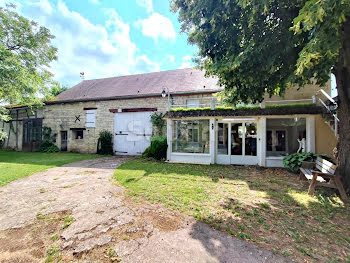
(158, 121)
(147, 152)
(105, 143)
(293, 161)
(48, 141)
(157, 149)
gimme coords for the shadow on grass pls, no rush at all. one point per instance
(287, 212)
(230, 249)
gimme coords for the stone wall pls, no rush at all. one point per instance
(64, 117)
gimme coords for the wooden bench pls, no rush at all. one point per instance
(322, 173)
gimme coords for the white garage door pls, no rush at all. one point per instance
(132, 132)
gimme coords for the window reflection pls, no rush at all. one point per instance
(222, 138)
(285, 136)
(250, 138)
(190, 136)
(236, 138)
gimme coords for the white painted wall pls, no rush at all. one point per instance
(261, 144)
(197, 158)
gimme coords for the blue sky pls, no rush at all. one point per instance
(105, 38)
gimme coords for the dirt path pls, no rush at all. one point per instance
(75, 213)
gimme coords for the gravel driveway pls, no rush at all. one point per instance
(106, 224)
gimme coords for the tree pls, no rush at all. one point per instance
(257, 46)
(25, 56)
(58, 89)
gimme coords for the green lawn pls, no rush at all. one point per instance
(15, 165)
(268, 207)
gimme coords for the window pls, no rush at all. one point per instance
(90, 119)
(193, 103)
(78, 134)
(191, 136)
(250, 138)
(236, 139)
(285, 136)
(243, 138)
(222, 138)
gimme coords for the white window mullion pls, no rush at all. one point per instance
(229, 139)
(243, 139)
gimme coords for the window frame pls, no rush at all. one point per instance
(191, 136)
(75, 134)
(193, 103)
(90, 118)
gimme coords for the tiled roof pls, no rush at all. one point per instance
(178, 81)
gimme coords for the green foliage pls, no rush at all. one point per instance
(54, 237)
(25, 56)
(223, 108)
(158, 148)
(147, 152)
(190, 109)
(48, 141)
(68, 220)
(58, 89)
(3, 117)
(158, 121)
(293, 161)
(256, 47)
(105, 143)
(289, 105)
(52, 255)
(243, 107)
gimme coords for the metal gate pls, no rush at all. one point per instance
(132, 132)
(32, 132)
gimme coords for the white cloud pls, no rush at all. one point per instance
(98, 50)
(146, 4)
(143, 64)
(157, 26)
(171, 58)
(186, 62)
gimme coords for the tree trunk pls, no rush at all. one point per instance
(342, 73)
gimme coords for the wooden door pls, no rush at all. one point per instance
(32, 133)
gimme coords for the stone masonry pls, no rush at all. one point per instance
(63, 116)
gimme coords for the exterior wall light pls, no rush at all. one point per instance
(163, 93)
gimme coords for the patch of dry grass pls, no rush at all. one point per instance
(268, 207)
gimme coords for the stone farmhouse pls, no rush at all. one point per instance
(209, 133)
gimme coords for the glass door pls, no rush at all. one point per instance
(237, 138)
(237, 143)
(244, 143)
